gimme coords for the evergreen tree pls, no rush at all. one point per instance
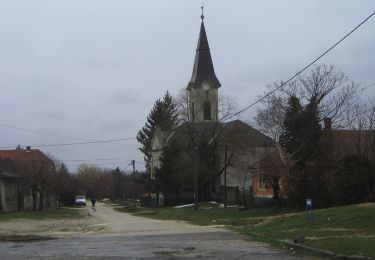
(300, 138)
(311, 131)
(169, 178)
(289, 138)
(164, 116)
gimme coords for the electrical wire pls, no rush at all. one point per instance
(86, 141)
(100, 159)
(109, 163)
(41, 133)
(77, 143)
(302, 70)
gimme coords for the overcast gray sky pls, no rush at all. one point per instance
(92, 69)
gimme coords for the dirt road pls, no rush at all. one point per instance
(108, 234)
(113, 222)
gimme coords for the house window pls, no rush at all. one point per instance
(207, 110)
(262, 182)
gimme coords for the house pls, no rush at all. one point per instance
(9, 187)
(271, 170)
(31, 166)
(224, 153)
(344, 142)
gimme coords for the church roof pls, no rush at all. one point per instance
(234, 133)
(241, 134)
(203, 69)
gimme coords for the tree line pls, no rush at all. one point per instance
(49, 182)
(98, 183)
(312, 163)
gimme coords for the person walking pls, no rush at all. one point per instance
(93, 201)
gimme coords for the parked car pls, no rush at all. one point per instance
(80, 200)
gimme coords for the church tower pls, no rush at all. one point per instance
(203, 86)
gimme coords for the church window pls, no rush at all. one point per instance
(207, 110)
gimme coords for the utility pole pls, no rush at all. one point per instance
(196, 178)
(225, 175)
(133, 163)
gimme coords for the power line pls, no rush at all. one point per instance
(87, 141)
(76, 143)
(41, 133)
(109, 163)
(372, 84)
(302, 70)
(100, 159)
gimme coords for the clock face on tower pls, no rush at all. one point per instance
(206, 86)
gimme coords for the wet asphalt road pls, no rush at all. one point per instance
(123, 236)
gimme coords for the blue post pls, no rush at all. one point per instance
(309, 210)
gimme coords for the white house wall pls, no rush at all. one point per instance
(9, 195)
(238, 168)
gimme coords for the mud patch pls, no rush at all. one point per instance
(175, 253)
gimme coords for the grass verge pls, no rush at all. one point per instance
(348, 230)
(208, 214)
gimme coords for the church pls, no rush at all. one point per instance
(218, 158)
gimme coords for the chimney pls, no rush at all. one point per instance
(28, 149)
(327, 123)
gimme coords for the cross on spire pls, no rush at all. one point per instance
(202, 7)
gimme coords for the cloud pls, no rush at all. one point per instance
(93, 70)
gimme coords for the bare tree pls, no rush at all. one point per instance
(226, 107)
(275, 166)
(245, 158)
(206, 137)
(38, 177)
(361, 119)
(321, 93)
(330, 89)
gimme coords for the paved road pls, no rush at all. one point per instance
(123, 236)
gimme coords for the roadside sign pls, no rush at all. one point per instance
(309, 210)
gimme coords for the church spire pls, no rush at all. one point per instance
(203, 69)
(202, 7)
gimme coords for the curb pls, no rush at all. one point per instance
(326, 252)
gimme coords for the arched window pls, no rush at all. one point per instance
(207, 110)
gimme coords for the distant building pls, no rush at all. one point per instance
(9, 187)
(15, 164)
(344, 142)
(243, 144)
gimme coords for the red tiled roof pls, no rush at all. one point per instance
(25, 156)
(348, 142)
